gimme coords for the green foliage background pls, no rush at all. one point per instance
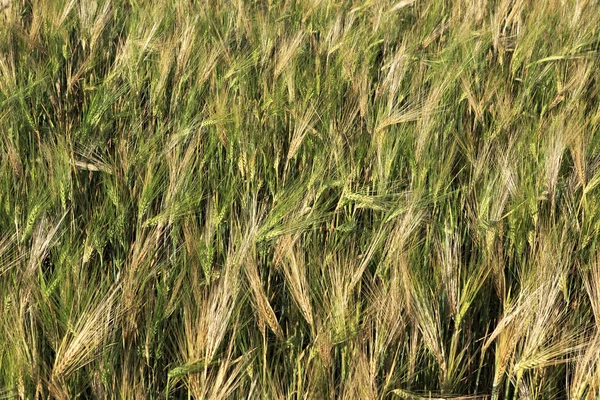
(310, 199)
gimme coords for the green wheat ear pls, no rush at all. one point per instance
(32, 216)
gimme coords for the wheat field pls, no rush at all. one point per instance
(299, 199)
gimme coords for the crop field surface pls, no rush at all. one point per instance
(300, 199)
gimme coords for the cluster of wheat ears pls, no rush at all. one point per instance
(299, 199)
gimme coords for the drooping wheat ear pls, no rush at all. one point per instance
(87, 334)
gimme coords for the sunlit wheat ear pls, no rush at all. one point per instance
(44, 236)
(7, 74)
(221, 310)
(286, 53)
(592, 286)
(262, 304)
(556, 148)
(290, 257)
(9, 254)
(229, 375)
(544, 346)
(360, 384)
(425, 313)
(208, 313)
(529, 335)
(395, 73)
(207, 318)
(586, 378)
(430, 106)
(141, 267)
(451, 269)
(387, 316)
(86, 336)
(6, 10)
(302, 126)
